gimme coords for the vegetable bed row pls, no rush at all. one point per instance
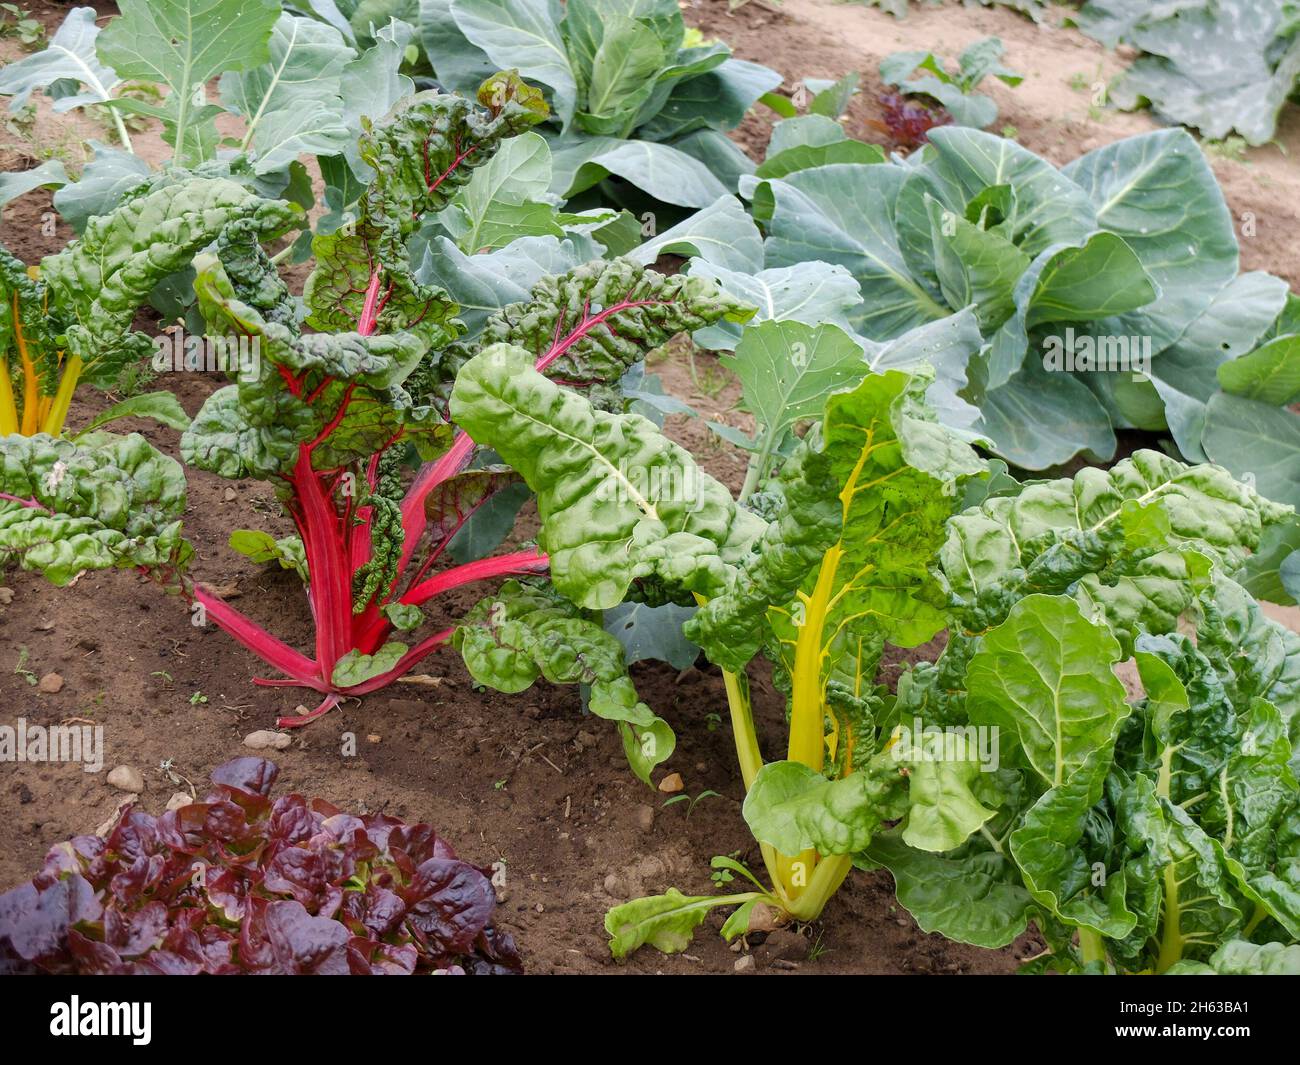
(921, 342)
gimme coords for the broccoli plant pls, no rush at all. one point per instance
(349, 422)
(1009, 781)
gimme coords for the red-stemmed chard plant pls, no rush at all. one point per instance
(336, 417)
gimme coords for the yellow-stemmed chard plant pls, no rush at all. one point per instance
(993, 781)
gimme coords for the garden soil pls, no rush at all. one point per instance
(525, 780)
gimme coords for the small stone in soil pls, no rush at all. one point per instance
(784, 945)
(745, 964)
(50, 684)
(764, 918)
(613, 886)
(126, 778)
(179, 799)
(671, 784)
(264, 739)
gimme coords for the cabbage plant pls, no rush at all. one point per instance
(635, 95)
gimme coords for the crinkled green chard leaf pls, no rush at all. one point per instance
(594, 320)
(356, 668)
(809, 521)
(527, 631)
(1044, 677)
(1189, 713)
(254, 280)
(262, 547)
(1256, 656)
(973, 895)
(619, 502)
(795, 808)
(1179, 882)
(1060, 861)
(256, 427)
(1045, 680)
(106, 502)
(1240, 958)
(183, 44)
(1223, 755)
(859, 525)
(603, 316)
(99, 281)
(162, 407)
(1133, 544)
(667, 922)
(421, 152)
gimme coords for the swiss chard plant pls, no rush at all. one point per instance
(1146, 833)
(883, 527)
(349, 422)
(636, 96)
(68, 318)
(238, 883)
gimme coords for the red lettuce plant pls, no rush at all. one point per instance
(239, 883)
(908, 120)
